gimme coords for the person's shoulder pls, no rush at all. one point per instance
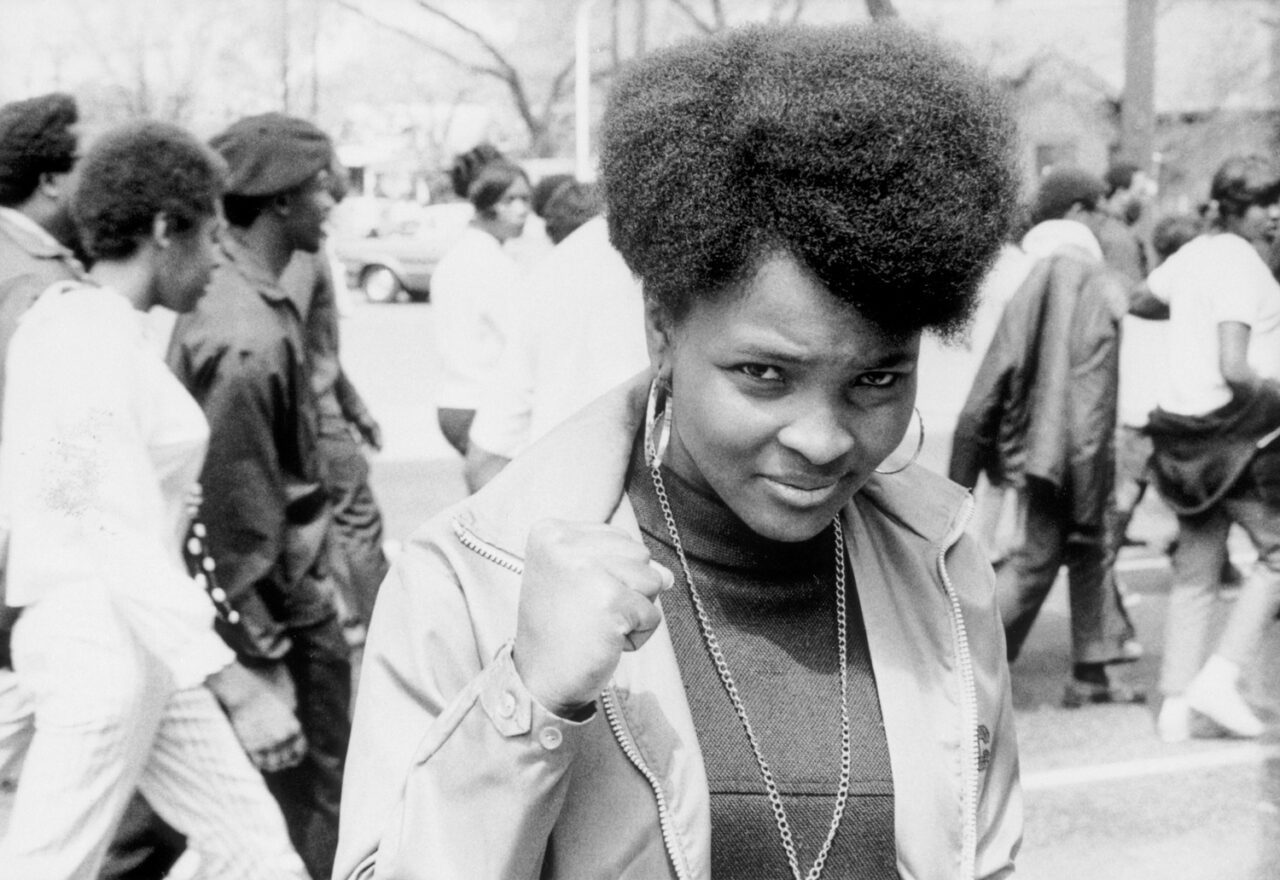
(925, 502)
(78, 318)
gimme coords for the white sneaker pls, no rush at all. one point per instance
(1173, 724)
(1214, 693)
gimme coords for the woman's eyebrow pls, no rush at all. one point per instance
(787, 355)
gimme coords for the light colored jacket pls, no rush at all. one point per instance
(454, 771)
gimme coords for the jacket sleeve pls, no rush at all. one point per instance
(245, 495)
(999, 808)
(974, 444)
(454, 770)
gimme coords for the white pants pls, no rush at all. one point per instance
(108, 720)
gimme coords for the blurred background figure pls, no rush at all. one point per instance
(356, 557)
(101, 449)
(579, 331)
(1214, 461)
(1041, 417)
(1127, 190)
(243, 356)
(473, 287)
(1144, 364)
(569, 206)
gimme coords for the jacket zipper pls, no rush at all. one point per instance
(969, 697)
(506, 560)
(633, 754)
(486, 550)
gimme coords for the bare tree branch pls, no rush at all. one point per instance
(422, 41)
(536, 122)
(776, 8)
(557, 89)
(688, 10)
(484, 42)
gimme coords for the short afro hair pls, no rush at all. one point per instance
(1063, 188)
(139, 170)
(1120, 176)
(569, 207)
(36, 137)
(869, 154)
(1173, 231)
(1244, 181)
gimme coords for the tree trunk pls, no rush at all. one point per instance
(1138, 105)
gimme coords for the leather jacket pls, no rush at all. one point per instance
(1043, 403)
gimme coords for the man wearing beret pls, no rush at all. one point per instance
(242, 355)
(356, 556)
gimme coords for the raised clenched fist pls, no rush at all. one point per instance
(587, 595)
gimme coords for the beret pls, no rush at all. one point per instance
(271, 153)
(36, 136)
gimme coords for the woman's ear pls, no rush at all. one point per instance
(160, 231)
(51, 184)
(657, 328)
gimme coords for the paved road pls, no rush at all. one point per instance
(1105, 799)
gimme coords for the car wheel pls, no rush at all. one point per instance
(380, 285)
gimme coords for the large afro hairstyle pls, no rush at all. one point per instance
(870, 154)
(139, 170)
(36, 137)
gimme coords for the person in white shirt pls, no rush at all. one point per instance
(580, 331)
(1224, 366)
(472, 288)
(116, 642)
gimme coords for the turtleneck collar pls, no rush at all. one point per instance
(712, 533)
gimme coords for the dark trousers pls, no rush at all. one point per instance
(356, 559)
(1099, 624)
(310, 793)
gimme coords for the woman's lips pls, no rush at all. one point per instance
(803, 493)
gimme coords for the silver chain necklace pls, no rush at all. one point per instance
(722, 667)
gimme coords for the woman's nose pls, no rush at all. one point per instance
(822, 435)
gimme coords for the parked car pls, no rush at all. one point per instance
(395, 262)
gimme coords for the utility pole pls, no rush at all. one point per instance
(284, 55)
(1138, 105)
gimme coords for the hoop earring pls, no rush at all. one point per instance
(657, 422)
(914, 455)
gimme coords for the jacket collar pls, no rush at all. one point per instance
(578, 472)
(251, 268)
(33, 238)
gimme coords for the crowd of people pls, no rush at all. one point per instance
(1103, 378)
(702, 613)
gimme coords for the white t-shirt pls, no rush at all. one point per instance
(579, 331)
(1212, 280)
(101, 446)
(471, 292)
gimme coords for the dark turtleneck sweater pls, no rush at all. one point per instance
(772, 607)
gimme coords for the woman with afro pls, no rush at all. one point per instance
(718, 623)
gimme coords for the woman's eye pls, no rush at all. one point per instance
(878, 380)
(763, 372)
